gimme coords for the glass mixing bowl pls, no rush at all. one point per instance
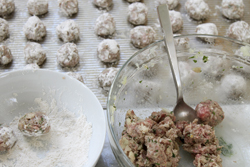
(218, 70)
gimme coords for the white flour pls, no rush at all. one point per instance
(67, 144)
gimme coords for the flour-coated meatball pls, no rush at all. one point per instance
(34, 53)
(137, 13)
(105, 25)
(176, 20)
(4, 29)
(34, 124)
(34, 29)
(232, 9)
(5, 55)
(38, 7)
(6, 7)
(207, 28)
(76, 76)
(32, 66)
(197, 9)
(106, 77)
(7, 139)
(103, 3)
(68, 31)
(171, 3)
(239, 30)
(68, 7)
(67, 55)
(108, 51)
(142, 36)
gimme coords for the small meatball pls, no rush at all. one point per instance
(132, 1)
(68, 31)
(34, 124)
(137, 13)
(34, 29)
(207, 28)
(105, 25)
(210, 113)
(103, 3)
(106, 77)
(142, 36)
(67, 55)
(34, 53)
(7, 139)
(76, 76)
(5, 55)
(4, 29)
(108, 51)
(68, 7)
(33, 66)
(171, 3)
(176, 20)
(6, 7)
(38, 7)
(197, 9)
(207, 160)
(239, 30)
(232, 9)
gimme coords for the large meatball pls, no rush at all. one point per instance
(37, 7)
(137, 13)
(103, 3)
(105, 25)
(106, 77)
(34, 124)
(207, 28)
(4, 29)
(197, 9)
(171, 3)
(6, 7)
(176, 20)
(5, 55)
(34, 29)
(108, 51)
(34, 53)
(232, 9)
(67, 55)
(209, 112)
(7, 138)
(68, 31)
(239, 30)
(142, 36)
(68, 7)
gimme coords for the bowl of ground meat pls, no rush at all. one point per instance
(214, 71)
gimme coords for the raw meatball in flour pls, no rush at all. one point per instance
(105, 25)
(232, 9)
(207, 28)
(103, 3)
(34, 124)
(171, 3)
(108, 51)
(7, 139)
(137, 13)
(68, 7)
(34, 53)
(142, 36)
(37, 7)
(176, 20)
(67, 55)
(34, 29)
(68, 31)
(197, 9)
(5, 55)
(106, 77)
(4, 29)
(76, 76)
(239, 30)
(6, 7)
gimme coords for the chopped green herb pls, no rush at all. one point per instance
(136, 155)
(207, 141)
(124, 99)
(241, 67)
(205, 59)
(226, 148)
(156, 150)
(171, 112)
(114, 107)
(154, 130)
(119, 123)
(157, 164)
(42, 118)
(140, 81)
(0, 124)
(213, 112)
(195, 61)
(173, 155)
(192, 57)
(223, 70)
(218, 149)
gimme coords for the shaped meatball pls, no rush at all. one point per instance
(37, 7)
(68, 7)
(34, 29)
(68, 31)
(7, 139)
(105, 25)
(142, 36)
(4, 29)
(197, 9)
(239, 30)
(232, 9)
(103, 3)
(171, 3)
(34, 124)
(67, 55)
(106, 77)
(34, 53)
(108, 51)
(176, 20)
(207, 28)
(33, 66)
(76, 76)
(137, 13)
(5, 55)
(6, 7)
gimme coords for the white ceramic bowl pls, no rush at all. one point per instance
(18, 89)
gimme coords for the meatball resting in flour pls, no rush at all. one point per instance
(106, 77)
(176, 20)
(34, 124)
(7, 139)
(4, 29)
(137, 13)
(103, 3)
(67, 55)
(37, 7)
(171, 3)
(34, 53)
(68, 31)
(108, 51)
(239, 30)
(5, 55)
(105, 25)
(6, 7)
(34, 29)
(207, 28)
(197, 9)
(68, 7)
(232, 9)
